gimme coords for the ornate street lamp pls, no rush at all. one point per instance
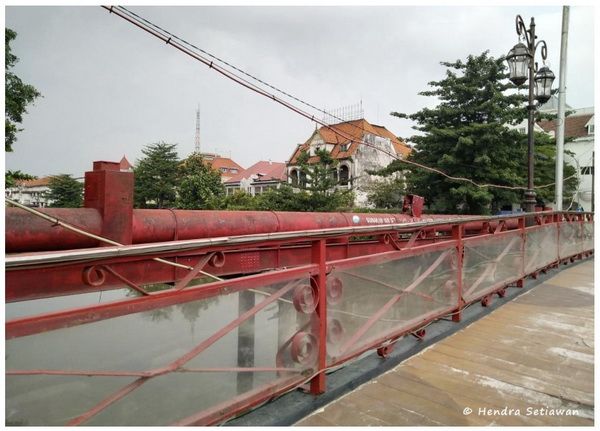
(543, 84)
(522, 67)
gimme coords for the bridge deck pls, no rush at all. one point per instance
(530, 362)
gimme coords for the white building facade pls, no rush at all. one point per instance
(358, 147)
(579, 132)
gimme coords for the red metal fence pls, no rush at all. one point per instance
(198, 355)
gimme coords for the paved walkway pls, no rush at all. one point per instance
(530, 362)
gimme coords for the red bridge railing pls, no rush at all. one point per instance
(201, 354)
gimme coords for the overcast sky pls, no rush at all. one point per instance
(110, 89)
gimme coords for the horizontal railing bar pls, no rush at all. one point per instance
(32, 259)
(29, 325)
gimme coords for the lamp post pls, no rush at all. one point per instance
(522, 67)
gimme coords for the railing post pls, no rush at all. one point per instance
(581, 236)
(318, 383)
(558, 223)
(457, 234)
(521, 225)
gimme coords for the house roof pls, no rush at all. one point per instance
(575, 125)
(38, 182)
(262, 171)
(223, 162)
(124, 164)
(350, 132)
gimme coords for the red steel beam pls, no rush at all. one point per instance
(29, 325)
(105, 403)
(179, 362)
(24, 284)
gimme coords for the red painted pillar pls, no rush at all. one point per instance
(457, 235)
(521, 224)
(110, 191)
(317, 384)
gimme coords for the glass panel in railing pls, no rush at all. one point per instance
(368, 303)
(570, 239)
(588, 236)
(541, 247)
(162, 366)
(490, 263)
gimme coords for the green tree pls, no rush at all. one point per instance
(285, 198)
(17, 94)
(199, 186)
(545, 170)
(319, 185)
(387, 193)
(156, 176)
(11, 177)
(466, 135)
(65, 192)
(239, 200)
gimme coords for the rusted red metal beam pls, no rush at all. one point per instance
(95, 312)
(105, 403)
(182, 360)
(24, 284)
(318, 384)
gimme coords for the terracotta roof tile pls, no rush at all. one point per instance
(124, 164)
(574, 125)
(269, 170)
(39, 182)
(352, 133)
(223, 162)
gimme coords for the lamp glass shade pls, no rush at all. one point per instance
(518, 63)
(543, 84)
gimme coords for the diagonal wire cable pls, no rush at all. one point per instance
(168, 37)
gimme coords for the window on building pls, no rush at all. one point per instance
(302, 179)
(591, 129)
(344, 147)
(233, 171)
(344, 175)
(587, 170)
(294, 177)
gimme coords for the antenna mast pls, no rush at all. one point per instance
(197, 138)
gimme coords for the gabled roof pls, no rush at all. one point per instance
(575, 125)
(223, 162)
(352, 133)
(124, 164)
(38, 182)
(261, 171)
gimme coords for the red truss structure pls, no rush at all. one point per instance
(284, 298)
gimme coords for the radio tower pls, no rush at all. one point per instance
(197, 138)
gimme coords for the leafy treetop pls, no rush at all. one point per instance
(466, 135)
(17, 94)
(156, 176)
(200, 186)
(65, 192)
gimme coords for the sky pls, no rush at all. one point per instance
(109, 89)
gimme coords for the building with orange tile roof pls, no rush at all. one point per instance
(224, 165)
(258, 178)
(31, 193)
(124, 165)
(358, 146)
